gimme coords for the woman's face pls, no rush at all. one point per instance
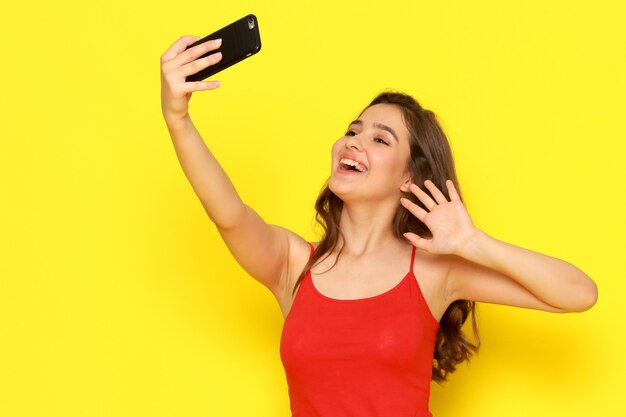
(377, 147)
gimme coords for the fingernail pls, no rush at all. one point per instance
(217, 42)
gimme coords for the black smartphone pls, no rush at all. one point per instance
(240, 40)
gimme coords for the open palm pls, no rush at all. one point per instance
(448, 221)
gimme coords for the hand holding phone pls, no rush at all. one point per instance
(240, 40)
(193, 59)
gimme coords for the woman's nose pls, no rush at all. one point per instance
(353, 143)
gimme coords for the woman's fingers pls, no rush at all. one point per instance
(423, 197)
(416, 210)
(193, 86)
(177, 56)
(439, 197)
(418, 242)
(196, 66)
(180, 61)
(452, 191)
(178, 47)
(199, 64)
(200, 50)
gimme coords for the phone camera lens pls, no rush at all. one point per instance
(250, 23)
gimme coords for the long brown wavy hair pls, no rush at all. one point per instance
(430, 158)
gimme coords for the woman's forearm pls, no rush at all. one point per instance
(209, 181)
(552, 280)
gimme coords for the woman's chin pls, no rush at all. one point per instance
(345, 192)
(338, 189)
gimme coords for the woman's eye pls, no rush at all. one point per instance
(381, 141)
(350, 133)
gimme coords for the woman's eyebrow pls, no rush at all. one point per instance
(379, 126)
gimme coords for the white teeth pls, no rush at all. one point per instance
(353, 163)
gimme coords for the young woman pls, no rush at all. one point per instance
(374, 310)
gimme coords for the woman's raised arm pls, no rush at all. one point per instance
(489, 270)
(261, 249)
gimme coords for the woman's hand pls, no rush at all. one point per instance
(176, 64)
(448, 221)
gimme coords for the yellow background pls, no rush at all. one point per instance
(117, 296)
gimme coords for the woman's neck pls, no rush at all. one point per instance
(367, 227)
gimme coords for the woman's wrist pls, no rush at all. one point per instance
(177, 122)
(474, 246)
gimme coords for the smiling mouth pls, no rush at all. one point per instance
(346, 164)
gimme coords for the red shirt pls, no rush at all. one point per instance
(367, 357)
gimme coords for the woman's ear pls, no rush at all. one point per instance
(405, 185)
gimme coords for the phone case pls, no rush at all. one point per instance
(240, 40)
